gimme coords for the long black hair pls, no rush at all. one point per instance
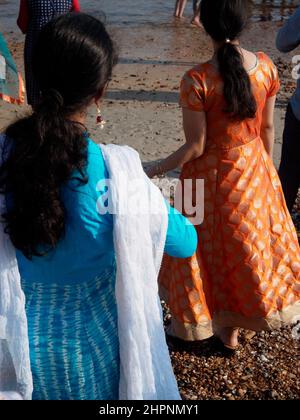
(225, 20)
(73, 61)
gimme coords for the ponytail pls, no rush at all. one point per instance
(240, 101)
(225, 20)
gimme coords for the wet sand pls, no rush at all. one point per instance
(141, 106)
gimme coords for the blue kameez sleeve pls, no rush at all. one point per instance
(182, 240)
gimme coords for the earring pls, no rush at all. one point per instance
(99, 120)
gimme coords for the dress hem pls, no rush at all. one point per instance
(225, 319)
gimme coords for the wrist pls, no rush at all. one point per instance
(159, 168)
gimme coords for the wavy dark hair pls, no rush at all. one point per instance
(222, 20)
(73, 62)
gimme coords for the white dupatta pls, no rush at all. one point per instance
(140, 228)
(15, 373)
(146, 371)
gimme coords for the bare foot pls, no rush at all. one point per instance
(229, 337)
(196, 22)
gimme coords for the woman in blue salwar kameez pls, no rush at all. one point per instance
(66, 250)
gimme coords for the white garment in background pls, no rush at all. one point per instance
(15, 373)
(2, 68)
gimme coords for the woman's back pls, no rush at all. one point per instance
(86, 248)
(202, 90)
(249, 262)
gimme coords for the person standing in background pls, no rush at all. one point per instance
(33, 15)
(196, 17)
(179, 8)
(288, 39)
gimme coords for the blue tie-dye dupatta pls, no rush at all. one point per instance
(11, 83)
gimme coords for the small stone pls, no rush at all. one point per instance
(242, 392)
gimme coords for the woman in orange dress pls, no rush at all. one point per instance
(246, 272)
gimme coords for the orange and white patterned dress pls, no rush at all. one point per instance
(246, 272)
